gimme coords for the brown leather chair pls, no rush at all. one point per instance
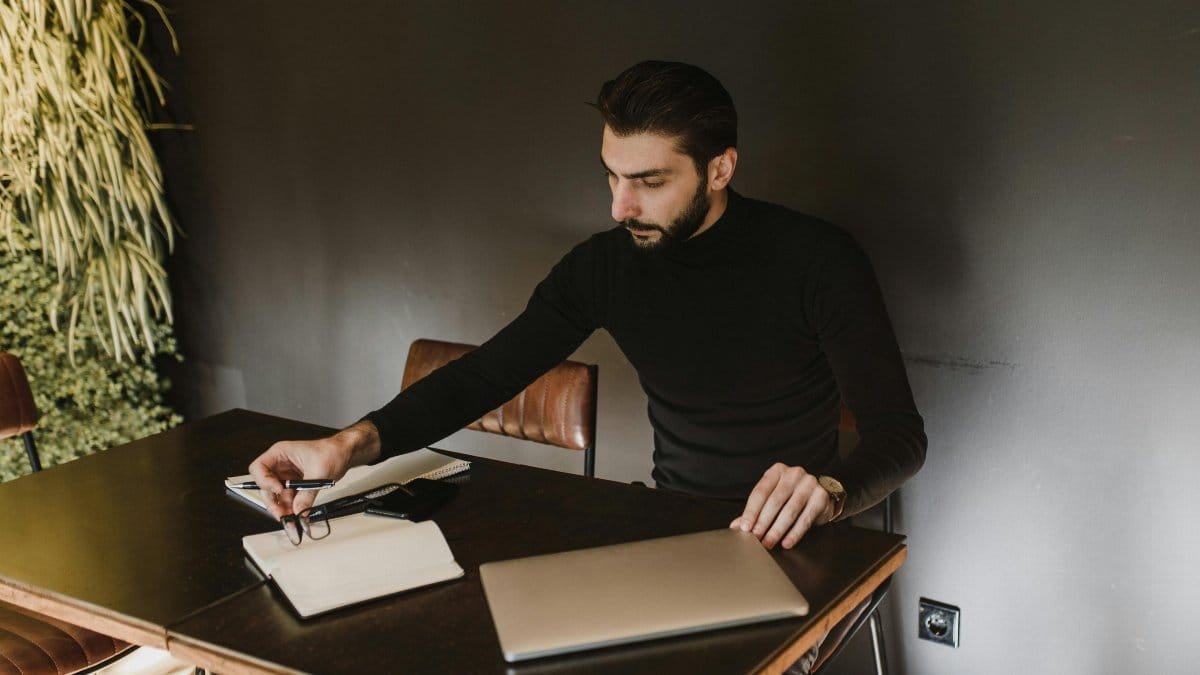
(31, 643)
(868, 610)
(18, 412)
(558, 409)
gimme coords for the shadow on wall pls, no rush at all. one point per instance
(875, 142)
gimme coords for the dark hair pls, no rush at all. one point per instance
(672, 99)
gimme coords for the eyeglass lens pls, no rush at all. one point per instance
(315, 529)
(297, 526)
(291, 527)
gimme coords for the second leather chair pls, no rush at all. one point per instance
(32, 643)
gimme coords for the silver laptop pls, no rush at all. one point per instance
(596, 597)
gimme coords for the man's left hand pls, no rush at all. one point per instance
(785, 504)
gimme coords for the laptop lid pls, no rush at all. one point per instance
(596, 597)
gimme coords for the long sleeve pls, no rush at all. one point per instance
(556, 320)
(856, 336)
(743, 339)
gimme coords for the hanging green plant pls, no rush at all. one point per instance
(90, 405)
(77, 169)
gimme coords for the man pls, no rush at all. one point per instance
(747, 324)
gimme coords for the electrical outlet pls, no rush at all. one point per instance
(938, 622)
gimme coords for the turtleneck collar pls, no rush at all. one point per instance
(711, 242)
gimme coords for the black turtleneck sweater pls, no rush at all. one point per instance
(744, 338)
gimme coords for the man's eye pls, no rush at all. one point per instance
(653, 184)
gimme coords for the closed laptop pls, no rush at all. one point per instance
(596, 597)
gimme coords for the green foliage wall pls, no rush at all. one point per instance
(92, 405)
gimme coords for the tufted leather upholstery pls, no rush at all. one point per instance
(559, 408)
(18, 413)
(33, 644)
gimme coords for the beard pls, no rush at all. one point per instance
(681, 228)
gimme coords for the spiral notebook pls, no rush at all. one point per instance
(422, 463)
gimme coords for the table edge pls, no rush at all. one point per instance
(84, 614)
(216, 659)
(219, 659)
(782, 659)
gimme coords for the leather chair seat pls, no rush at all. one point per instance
(32, 643)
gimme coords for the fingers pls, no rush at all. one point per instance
(783, 506)
(818, 503)
(782, 522)
(279, 505)
(266, 470)
(263, 470)
(303, 500)
(792, 481)
(294, 460)
(758, 497)
(285, 460)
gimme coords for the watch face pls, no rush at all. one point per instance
(832, 486)
(837, 493)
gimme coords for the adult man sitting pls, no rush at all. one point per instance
(747, 323)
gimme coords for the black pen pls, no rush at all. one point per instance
(314, 484)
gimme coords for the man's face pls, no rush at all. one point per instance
(657, 194)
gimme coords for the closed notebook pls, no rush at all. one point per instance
(399, 469)
(363, 557)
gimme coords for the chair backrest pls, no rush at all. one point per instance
(18, 413)
(558, 409)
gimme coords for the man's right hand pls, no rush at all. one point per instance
(327, 457)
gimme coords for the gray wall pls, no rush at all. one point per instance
(365, 173)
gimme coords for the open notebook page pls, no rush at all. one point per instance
(363, 557)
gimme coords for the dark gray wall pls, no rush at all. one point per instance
(1023, 175)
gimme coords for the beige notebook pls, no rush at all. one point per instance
(363, 557)
(422, 463)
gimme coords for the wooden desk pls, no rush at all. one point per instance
(129, 540)
(159, 561)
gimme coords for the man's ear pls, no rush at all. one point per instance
(721, 168)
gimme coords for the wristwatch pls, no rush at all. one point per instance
(836, 492)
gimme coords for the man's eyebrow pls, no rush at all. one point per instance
(648, 173)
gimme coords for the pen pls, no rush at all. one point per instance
(314, 484)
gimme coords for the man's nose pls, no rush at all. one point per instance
(624, 203)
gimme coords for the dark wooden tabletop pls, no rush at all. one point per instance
(144, 535)
(141, 534)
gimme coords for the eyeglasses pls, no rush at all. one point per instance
(313, 522)
(298, 525)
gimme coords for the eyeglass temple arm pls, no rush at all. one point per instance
(352, 504)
